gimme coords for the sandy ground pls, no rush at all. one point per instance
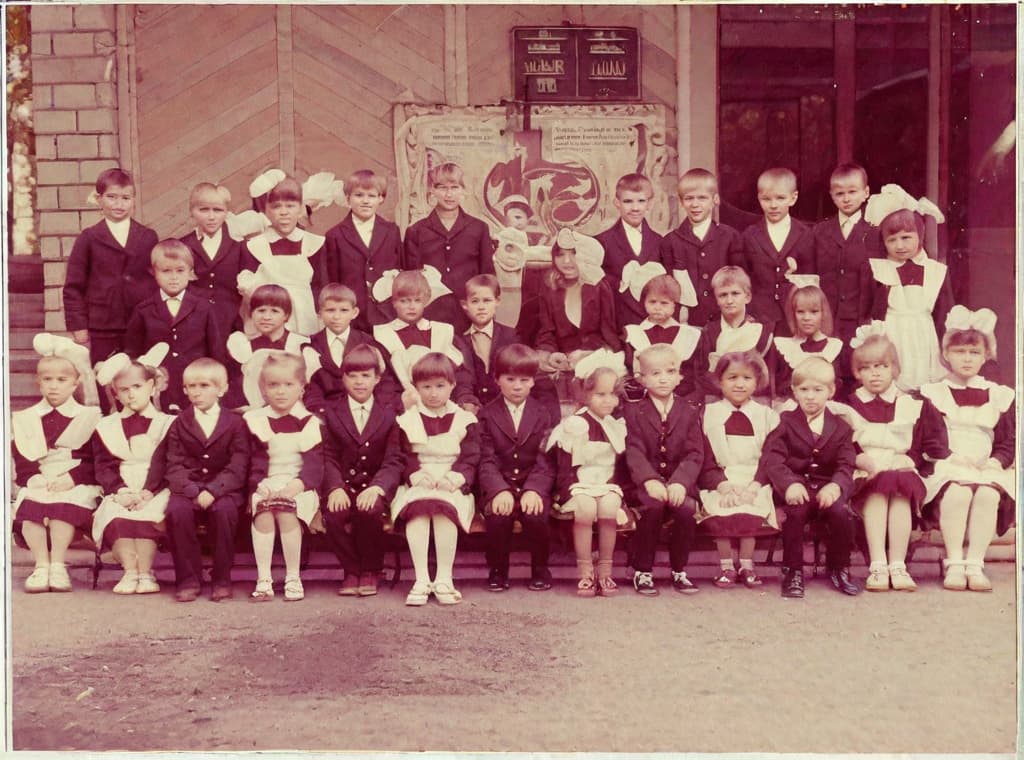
(722, 671)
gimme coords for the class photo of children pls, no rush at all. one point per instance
(606, 378)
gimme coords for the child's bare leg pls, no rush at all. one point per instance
(607, 508)
(61, 534)
(35, 537)
(953, 510)
(981, 529)
(875, 513)
(899, 529)
(417, 535)
(145, 550)
(291, 542)
(263, 544)
(584, 515)
(724, 546)
(446, 536)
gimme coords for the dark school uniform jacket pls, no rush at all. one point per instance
(767, 267)
(217, 278)
(349, 261)
(669, 452)
(515, 460)
(597, 321)
(218, 464)
(617, 253)
(191, 334)
(794, 454)
(105, 280)
(325, 385)
(458, 254)
(842, 265)
(479, 378)
(700, 259)
(355, 461)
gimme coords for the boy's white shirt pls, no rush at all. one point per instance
(207, 420)
(779, 231)
(165, 297)
(700, 230)
(487, 329)
(663, 407)
(354, 407)
(119, 230)
(635, 237)
(816, 424)
(846, 223)
(515, 412)
(337, 351)
(210, 243)
(364, 228)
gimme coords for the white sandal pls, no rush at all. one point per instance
(39, 581)
(446, 593)
(264, 590)
(293, 591)
(147, 584)
(418, 595)
(128, 584)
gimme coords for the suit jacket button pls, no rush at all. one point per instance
(205, 470)
(174, 354)
(367, 444)
(705, 275)
(206, 456)
(778, 269)
(706, 293)
(515, 471)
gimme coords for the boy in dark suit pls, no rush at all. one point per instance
(207, 466)
(809, 460)
(363, 467)
(338, 311)
(630, 239)
(363, 246)
(174, 316)
(217, 256)
(483, 340)
(516, 474)
(699, 246)
(108, 271)
(664, 453)
(450, 240)
(776, 246)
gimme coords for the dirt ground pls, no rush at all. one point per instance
(722, 671)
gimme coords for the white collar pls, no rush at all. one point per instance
(422, 324)
(332, 336)
(449, 408)
(514, 409)
(215, 237)
(364, 225)
(213, 412)
(888, 396)
(353, 405)
(68, 409)
(975, 382)
(298, 412)
(700, 230)
(852, 218)
(783, 224)
(918, 258)
(180, 297)
(273, 235)
(149, 412)
(121, 226)
(663, 407)
(487, 329)
(816, 423)
(647, 324)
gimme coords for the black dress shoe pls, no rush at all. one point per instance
(842, 582)
(793, 584)
(540, 580)
(497, 580)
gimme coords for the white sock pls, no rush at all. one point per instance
(726, 564)
(291, 545)
(746, 564)
(877, 567)
(263, 551)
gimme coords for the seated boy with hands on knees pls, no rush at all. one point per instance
(809, 460)
(664, 451)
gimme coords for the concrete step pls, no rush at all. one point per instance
(24, 274)
(22, 386)
(22, 360)
(21, 337)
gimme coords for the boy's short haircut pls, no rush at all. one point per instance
(171, 250)
(656, 351)
(875, 348)
(664, 285)
(446, 172)
(488, 281)
(271, 295)
(814, 368)
(776, 176)
(411, 282)
(694, 178)
(286, 360)
(750, 359)
(902, 220)
(634, 183)
(109, 178)
(433, 366)
(808, 294)
(204, 188)
(366, 179)
(288, 189)
(362, 358)
(516, 359)
(731, 275)
(844, 171)
(335, 291)
(206, 367)
(969, 337)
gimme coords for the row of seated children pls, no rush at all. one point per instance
(593, 292)
(944, 456)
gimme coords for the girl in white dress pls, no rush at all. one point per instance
(130, 519)
(442, 449)
(285, 472)
(590, 467)
(736, 499)
(971, 493)
(52, 454)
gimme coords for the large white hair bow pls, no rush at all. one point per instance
(510, 254)
(108, 369)
(601, 358)
(962, 318)
(875, 327)
(264, 183)
(321, 190)
(589, 254)
(894, 198)
(247, 224)
(47, 344)
(636, 275)
(381, 290)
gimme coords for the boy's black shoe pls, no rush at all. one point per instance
(644, 584)
(682, 584)
(842, 582)
(792, 584)
(497, 580)
(540, 580)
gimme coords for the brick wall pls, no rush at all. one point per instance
(74, 69)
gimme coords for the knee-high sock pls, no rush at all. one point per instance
(417, 535)
(291, 547)
(263, 551)
(446, 537)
